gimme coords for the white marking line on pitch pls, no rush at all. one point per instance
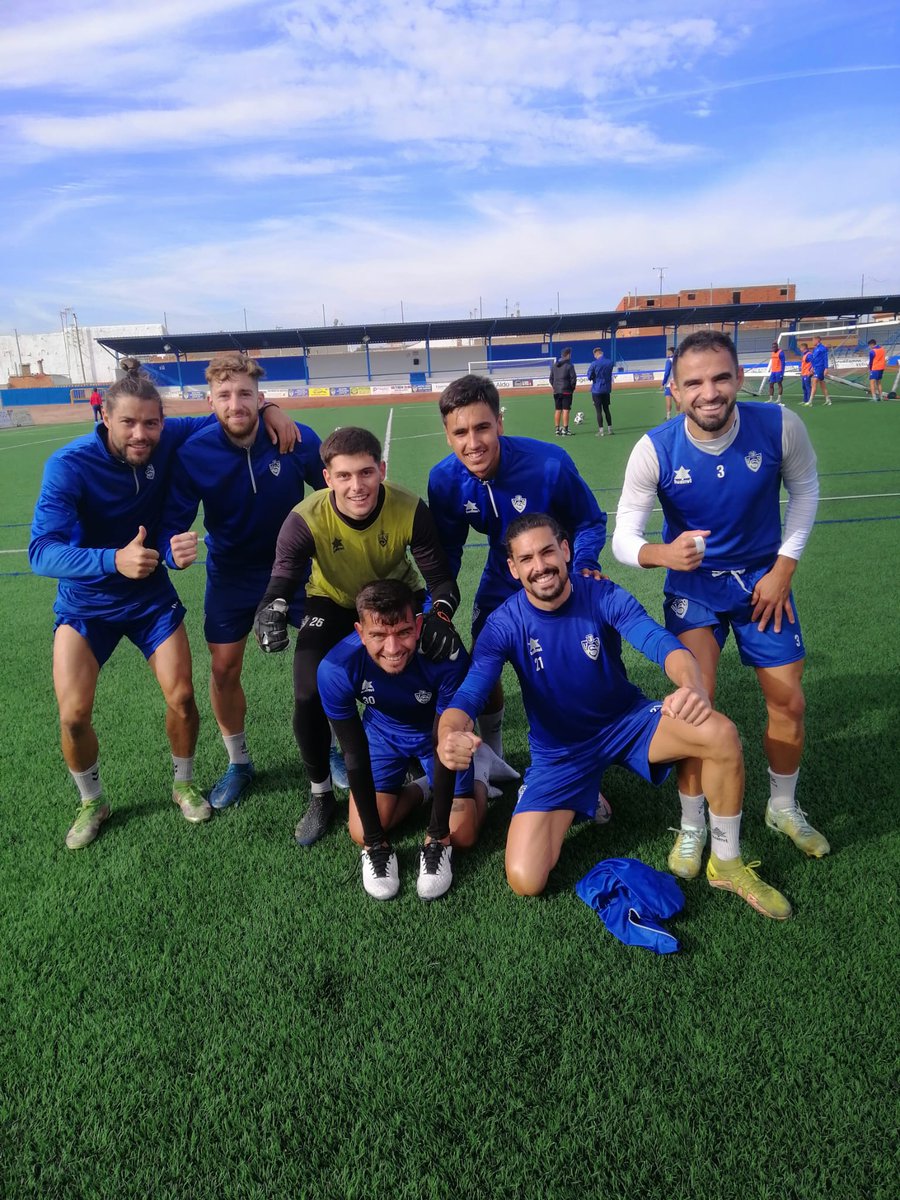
(387, 440)
(41, 442)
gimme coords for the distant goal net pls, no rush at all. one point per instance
(848, 355)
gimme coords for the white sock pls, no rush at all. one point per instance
(490, 727)
(782, 791)
(693, 811)
(726, 836)
(424, 787)
(319, 789)
(236, 745)
(88, 782)
(184, 769)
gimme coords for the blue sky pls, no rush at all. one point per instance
(202, 157)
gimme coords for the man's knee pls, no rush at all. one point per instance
(723, 742)
(525, 877)
(788, 705)
(74, 721)
(180, 698)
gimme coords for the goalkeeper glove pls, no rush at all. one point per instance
(270, 627)
(439, 640)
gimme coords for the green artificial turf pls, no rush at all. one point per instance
(211, 1012)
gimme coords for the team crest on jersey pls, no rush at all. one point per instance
(591, 646)
(367, 686)
(534, 646)
(679, 607)
(471, 507)
(150, 473)
(753, 460)
(682, 475)
(382, 539)
(518, 503)
(275, 467)
(336, 544)
(423, 697)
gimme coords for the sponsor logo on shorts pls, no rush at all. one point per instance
(423, 697)
(150, 473)
(753, 460)
(275, 467)
(591, 646)
(519, 503)
(682, 475)
(679, 607)
(471, 507)
(655, 708)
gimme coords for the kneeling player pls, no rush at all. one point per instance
(402, 694)
(562, 635)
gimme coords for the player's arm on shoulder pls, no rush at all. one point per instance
(283, 431)
(313, 472)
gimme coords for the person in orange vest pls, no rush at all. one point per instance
(776, 373)
(806, 370)
(877, 364)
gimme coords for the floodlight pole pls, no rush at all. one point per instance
(662, 271)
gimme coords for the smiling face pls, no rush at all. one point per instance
(540, 562)
(235, 401)
(134, 428)
(706, 384)
(473, 434)
(355, 480)
(390, 644)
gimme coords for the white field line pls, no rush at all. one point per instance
(39, 442)
(387, 441)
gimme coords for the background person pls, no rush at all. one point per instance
(600, 375)
(877, 367)
(819, 355)
(96, 402)
(806, 371)
(666, 382)
(563, 381)
(776, 373)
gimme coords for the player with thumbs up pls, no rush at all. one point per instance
(95, 527)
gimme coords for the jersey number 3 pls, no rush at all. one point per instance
(720, 471)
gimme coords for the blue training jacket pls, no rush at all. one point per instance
(629, 898)
(92, 504)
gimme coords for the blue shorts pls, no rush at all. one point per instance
(726, 605)
(820, 375)
(390, 762)
(147, 630)
(776, 376)
(876, 374)
(231, 601)
(570, 776)
(667, 391)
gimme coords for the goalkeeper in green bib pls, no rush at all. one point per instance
(361, 528)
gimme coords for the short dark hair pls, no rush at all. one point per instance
(530, 521)
(389, 599)
(705, 339)
(469, 389)
(135, 382)
(350, 440)
(872, 342)
(566, 352)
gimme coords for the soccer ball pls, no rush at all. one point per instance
(579, 418)
(502, 409)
